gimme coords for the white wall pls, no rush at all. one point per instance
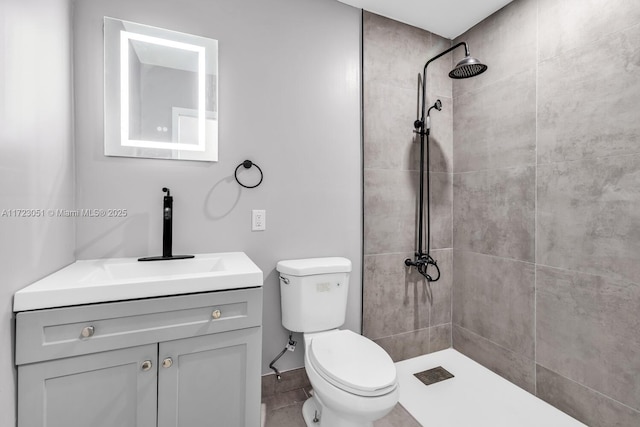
(36, 158)
(289, 100)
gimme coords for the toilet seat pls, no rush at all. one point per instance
(352, 363)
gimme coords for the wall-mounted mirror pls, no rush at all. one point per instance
(161, 93)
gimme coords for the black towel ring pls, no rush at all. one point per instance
(247, 164)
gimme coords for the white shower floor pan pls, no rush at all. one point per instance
(474, 397)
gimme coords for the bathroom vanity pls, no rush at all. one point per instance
(186, 354)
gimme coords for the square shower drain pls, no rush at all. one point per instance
(435, 375)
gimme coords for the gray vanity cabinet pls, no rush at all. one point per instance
(204, 381)
(188, 361)
(99, 390)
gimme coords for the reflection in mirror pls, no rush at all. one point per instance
(161, 93)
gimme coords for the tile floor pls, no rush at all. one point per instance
(285, 410)
(282, 401)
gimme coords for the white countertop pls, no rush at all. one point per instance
(118, 279)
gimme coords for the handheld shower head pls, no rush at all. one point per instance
(437, 105)
(467, 67)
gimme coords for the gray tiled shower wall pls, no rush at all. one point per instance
(402, 313)
(537, 171)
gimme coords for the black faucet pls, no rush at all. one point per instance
(167, 231)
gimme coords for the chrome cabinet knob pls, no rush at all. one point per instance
(146, 365)
(87, 332)
(216, 314)
(166, 363)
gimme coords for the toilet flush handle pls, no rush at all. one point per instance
(285, 280)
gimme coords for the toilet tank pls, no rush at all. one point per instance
(313, 293)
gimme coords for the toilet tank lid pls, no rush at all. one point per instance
(309, 266)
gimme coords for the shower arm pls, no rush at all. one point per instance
(421, 122)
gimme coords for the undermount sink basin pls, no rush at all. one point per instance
(118, 279)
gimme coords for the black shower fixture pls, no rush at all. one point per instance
(418, 123)
(467, 67)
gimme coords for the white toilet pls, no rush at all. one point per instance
(353, 379)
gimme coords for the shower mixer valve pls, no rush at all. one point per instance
(422, 263)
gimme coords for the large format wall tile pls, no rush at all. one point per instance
(505, 42)
(438, 82)
(441, 137)
(439, 337)
(396, 298)
(587, 330)
(494, 212)
(495, 129)
(441, 217)
(588, 100)
(390, 210)
(406, 345)
(399, 306)
(570, 24)
(512, 366)
(588, 216)
(416, 343)
(495, 298)
(393, 53)
(582, 403)
(440, 290)
(559, 158)
(389, 140)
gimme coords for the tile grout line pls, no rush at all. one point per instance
(408, 332)
(535, 214)
(604, 275)
(496, 256)
(496, 344)
(405, 252)
(537, 264)
(380, 169)
(586, 159)
(590, 389)
(537, 163)
(594, 41)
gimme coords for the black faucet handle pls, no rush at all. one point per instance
(166, 190)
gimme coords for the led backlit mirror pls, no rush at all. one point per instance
(161, 93)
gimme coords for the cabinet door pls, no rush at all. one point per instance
(98, 390)
(213, 380)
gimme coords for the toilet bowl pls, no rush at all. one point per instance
(353, 379)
